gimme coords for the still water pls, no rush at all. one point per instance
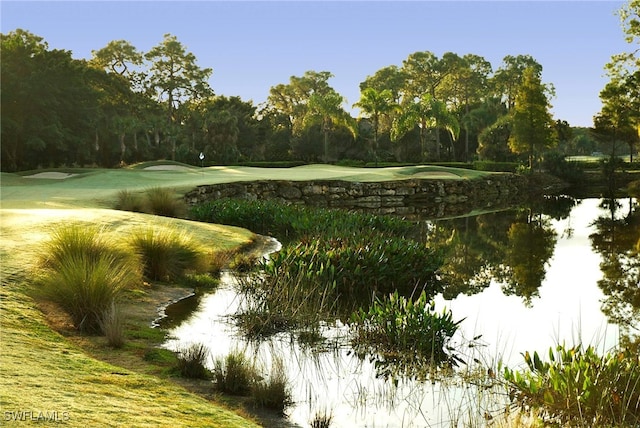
(565, 271)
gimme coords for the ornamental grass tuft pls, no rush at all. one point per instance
(85, 273)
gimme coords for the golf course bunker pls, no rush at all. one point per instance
(435, 174)
(168, 168)
(51, 175)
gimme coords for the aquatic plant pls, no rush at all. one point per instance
(402, 332)
(578, 387)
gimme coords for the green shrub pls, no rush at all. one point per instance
(85, 274)
(275, 392)
(163, 202)
(192, 361)
(234, 374)
(167, 255)
(578, 387)
(495, 166)
(634, 188)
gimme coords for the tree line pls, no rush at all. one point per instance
(124, 106)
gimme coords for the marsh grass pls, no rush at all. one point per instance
(274, 393)
(192, 361)
(234, 374)
(166, 254)
(85, 273)
(277, 303)
(321, 420)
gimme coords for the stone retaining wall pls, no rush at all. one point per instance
(423, 197)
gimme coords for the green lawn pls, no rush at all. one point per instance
(42, 371)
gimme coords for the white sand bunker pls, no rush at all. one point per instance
(435, 174)
(51, 175)
(168, 168)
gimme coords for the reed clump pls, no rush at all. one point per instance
(192, 361)
(85, 273)
(167, 254)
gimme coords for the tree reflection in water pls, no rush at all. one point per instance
(617, 240)
(512, 248)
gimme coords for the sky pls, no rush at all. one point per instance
(254, 45)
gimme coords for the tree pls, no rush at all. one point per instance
(467, 86)
(532, 124)
(426, 113)
(119, 56)
(326, 110)
(619, 118)
(47, 103)
(174, 76)
(376, 104)
(508, 78)
(290, 100)
(424, 74)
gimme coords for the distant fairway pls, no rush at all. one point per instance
(98, 188)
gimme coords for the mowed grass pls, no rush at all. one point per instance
(41, 370)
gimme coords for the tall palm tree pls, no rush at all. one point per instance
(326, 110)
(375, 104)
(427, 113)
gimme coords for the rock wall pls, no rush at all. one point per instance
(420, 197)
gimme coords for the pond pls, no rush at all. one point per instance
(526, 279)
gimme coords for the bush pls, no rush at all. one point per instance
(234, 374)
(495, 166)
(192, 361)
(85, 274)
(579, 387)
(274, 393)
(167, 255)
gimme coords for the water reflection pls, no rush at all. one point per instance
(511, 247)
(617, 241)
(523, 279)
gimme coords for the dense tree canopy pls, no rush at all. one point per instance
(124, 105)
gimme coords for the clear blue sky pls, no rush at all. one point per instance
(253, 46)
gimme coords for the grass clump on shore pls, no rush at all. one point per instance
(85, 274)
(192, 361)
(155, 200)
(234, 374)
(275, 392)
(166, 254)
